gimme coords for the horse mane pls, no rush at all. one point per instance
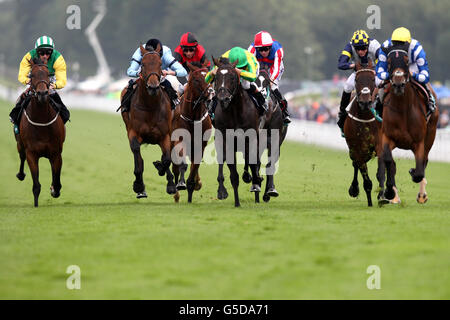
(224, 61)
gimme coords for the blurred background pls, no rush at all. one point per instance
(313, 34)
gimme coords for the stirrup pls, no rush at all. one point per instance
(375, 114)
(342, 132)
(16, 129)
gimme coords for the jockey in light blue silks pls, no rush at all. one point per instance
(170, 66)
(418, 64)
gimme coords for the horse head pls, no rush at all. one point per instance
(40, 80)
(263, 79)
(151, 69)
(196, 83)
(364, 84)
(398, 70)
(226, 82)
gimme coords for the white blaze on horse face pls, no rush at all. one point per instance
(224, 71)
(399, 73)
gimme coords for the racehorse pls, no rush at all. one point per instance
(149, 121)
(362, 131)
(272, 120)
(405, 123)
(42, 132)
(191, 115)
(236, 114)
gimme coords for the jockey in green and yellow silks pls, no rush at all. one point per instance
(44, 49)
(248, 68)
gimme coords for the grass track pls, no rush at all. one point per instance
(313, 242)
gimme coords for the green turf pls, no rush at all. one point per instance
(313, 242)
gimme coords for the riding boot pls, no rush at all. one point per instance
(63, 111)
(431, 101)
(174, 101)
(258, 97)
(16, 112)
(345, 100)
(126, 100)
(283, 106)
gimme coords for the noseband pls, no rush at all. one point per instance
(151, 73)
(202, 95)
(227, 89)
(364, 90)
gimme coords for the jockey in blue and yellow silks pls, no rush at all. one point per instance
(270, 53)
(360, 49)
(170, 66)
(248, 68)
(418, 64)
(44, 49)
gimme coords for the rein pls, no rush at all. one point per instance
(201, 98)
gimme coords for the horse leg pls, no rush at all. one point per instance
(176, 173)
(32, 161)
(166, 161)
(367, 183)
(138, 184)
(234, 178)
(381, 176)
(390, 168)
(21, 174)
(222, 193)
(418, 173)
(353, 191)
(56, 164)
(422, 196)
(198, 182)
(181, 184)
(191, 181)
(246, 177)
(270, 186)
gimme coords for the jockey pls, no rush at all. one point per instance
(418, 64)
(360, 49)
(189, 50)
(247, 66)
(44, 49)
(170, 66)
(270, 53)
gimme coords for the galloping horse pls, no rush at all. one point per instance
(236, 114)
(405, 123)
(362, 132)
(42, 132)
(150, 121)
(272, 120)
(191, 115)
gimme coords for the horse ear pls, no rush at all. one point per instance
(31, 62)
(158, 48)
(142, 49)
(216, 62)
(234, 64)
(191, 66)
(370, 64)
(205, 63)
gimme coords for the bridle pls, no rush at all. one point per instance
(398, 73)
(33, 86)
(365, 90)
(202, 96)
(151, 73)
(231, 93)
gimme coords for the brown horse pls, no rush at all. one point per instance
(362, 131)
(405, 123)
(150, 121)
(191, 115)
(236, 122)
(42, 132)
(272, 122)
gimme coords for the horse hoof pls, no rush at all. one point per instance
(181, 186)
(54, 193)
(422, 198)
(198, 186)
(172, 189)
(176, 197)
(246, 177)
(389, 193)
(142, 194)
(382, 201)
(20, 176)
(222, 194)
(353, 191)
(266, 198)
(273, 192)
(255, 188)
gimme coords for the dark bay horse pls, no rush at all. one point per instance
(362, 131)
(236, 122)
(150, 121)
(190, 116)
(272, 122)
(42, 132)
(405, 123)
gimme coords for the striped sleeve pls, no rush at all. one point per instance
(60, 72)
(250, 74)
(277, 64)
(24, 69)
